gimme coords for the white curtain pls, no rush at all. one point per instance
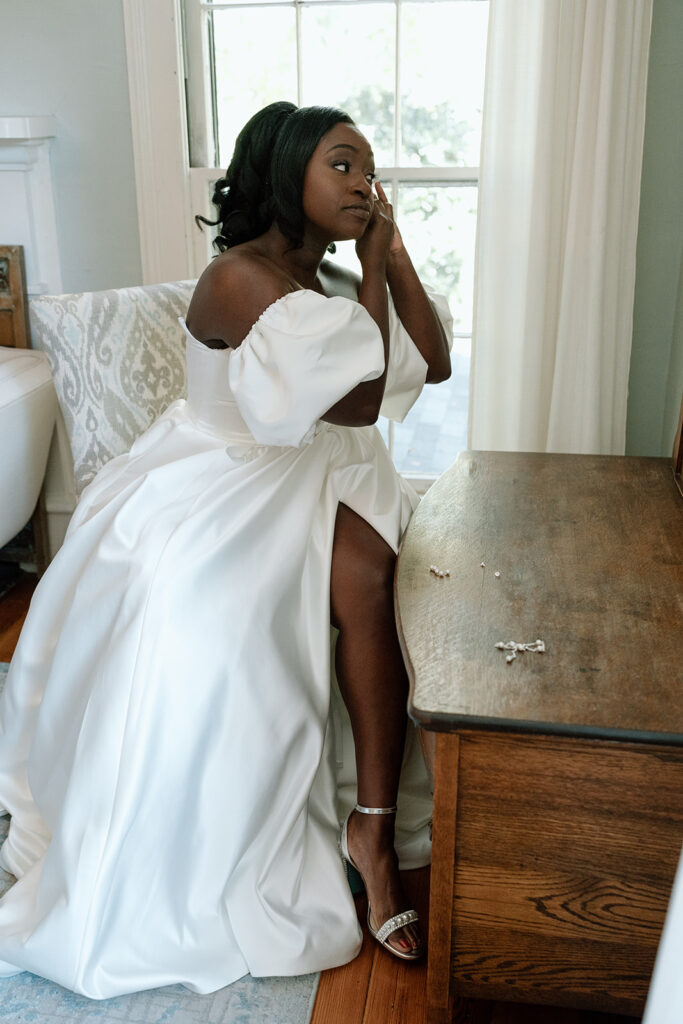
(564, 115)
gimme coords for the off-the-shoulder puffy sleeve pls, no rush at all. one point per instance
(407, 369)
(303, 354)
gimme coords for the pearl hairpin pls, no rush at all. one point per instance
(537, 647)
(439, 572)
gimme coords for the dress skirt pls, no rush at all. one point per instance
(174, 753)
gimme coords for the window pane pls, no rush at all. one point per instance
(255, 65)
(348, 62)
(438, 224)
(435, 429)
(443, 49)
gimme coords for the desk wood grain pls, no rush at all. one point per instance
(556, 857)
(558, 816)
(590, 555)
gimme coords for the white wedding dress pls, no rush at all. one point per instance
(172, 763)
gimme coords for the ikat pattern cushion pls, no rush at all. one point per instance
(118, 361)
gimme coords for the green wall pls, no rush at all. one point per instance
(656, 376)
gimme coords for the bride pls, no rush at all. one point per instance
(174, 760)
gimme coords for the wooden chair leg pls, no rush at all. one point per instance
(41, 540)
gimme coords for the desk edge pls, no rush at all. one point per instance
(441, 721)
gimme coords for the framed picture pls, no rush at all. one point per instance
(14, 329)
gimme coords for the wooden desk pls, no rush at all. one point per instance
(558, 816)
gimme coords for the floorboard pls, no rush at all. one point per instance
(13, 608)
(343, 992)
(395, 985)
(375, 988)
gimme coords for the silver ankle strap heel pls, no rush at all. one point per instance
(399, 920)
(375, 810)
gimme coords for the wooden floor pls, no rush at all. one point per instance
(13, 607)
(375, 988)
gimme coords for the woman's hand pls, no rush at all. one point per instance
(374, 245)
(396, 242)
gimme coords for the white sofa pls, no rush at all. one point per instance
(28, 406)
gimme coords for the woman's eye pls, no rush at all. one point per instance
(346, 167)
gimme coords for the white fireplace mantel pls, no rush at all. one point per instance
(27, 213)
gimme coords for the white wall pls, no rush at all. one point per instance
(68, 58)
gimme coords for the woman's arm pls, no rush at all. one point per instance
(416, 312)
(361, 406)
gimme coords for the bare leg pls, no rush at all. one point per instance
(373, 683)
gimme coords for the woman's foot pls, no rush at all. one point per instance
(370, 840)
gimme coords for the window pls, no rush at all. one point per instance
(411, 74)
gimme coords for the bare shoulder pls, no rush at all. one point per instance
(230, 296)
(338, 280)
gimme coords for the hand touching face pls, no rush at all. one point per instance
(375, 243)
(396, 241)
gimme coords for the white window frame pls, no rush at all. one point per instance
(154, 52)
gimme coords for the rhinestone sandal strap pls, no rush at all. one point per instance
(375, 810)
(394, 923)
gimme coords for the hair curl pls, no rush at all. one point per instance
(264, 182)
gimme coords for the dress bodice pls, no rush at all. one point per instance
(210, 399)
(302, 355)
(305, 352)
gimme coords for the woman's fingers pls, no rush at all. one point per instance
(384, 203)
(379, 233)
(388, 210)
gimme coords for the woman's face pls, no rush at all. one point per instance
(337, 197)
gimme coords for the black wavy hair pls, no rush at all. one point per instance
(265, 179)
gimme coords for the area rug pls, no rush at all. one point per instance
(27, 999)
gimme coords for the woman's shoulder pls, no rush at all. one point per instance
(231, 295)
(241, 274)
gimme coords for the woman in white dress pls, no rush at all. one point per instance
(172, 763)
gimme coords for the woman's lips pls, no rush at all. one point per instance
(359, 211)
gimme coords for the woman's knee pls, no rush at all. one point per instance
(362, 570)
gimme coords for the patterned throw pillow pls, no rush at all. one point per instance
(118, 361)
